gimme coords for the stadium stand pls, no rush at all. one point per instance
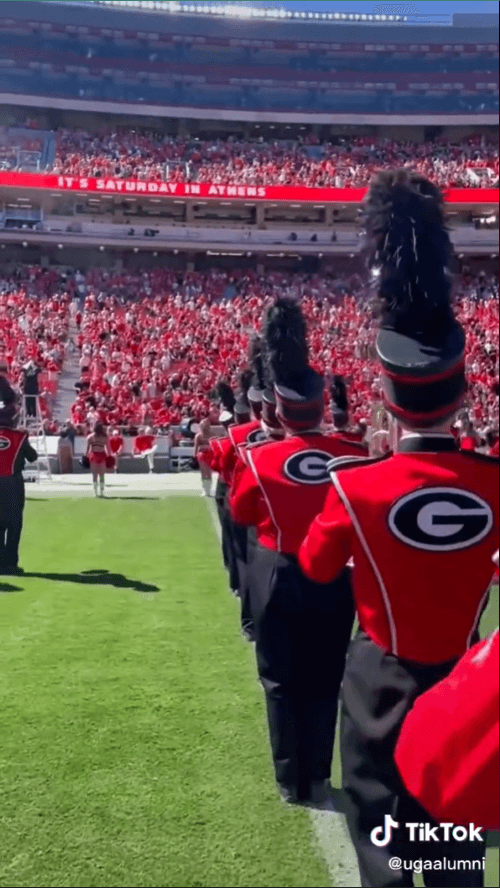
(129, 155)
(154, 359)
(159, 59)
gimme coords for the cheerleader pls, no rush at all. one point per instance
(201, 448)
(145, 446)
(97, 453)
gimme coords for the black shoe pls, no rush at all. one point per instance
(9, 571)
(288, 794)
(247, 630)
(320, 795)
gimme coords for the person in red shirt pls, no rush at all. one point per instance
(447, 752)
(116, 445)
(145, 446)
(421, 526)
(301, 629)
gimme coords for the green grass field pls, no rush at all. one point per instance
(133, 742)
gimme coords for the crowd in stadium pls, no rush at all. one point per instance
(130, 154)
(153, 344)
(34, 321)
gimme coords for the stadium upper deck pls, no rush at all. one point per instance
(157, 60)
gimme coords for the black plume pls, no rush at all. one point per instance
(245, 381)
(267, 376)
(338, 395)
(7, 393)
(224, 393)
(285, 335)
(256, 359)
(410, 250)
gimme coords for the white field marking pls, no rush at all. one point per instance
(329, 827)
(79, 486)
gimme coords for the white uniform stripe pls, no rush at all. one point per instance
(371, 559)
(264, 494)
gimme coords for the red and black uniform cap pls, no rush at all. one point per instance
(298, 388)
(224, 394)
(420, 344)
(242, 408)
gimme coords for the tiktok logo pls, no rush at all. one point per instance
(382, 835)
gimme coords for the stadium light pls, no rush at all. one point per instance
(238, 11)
(244, 12)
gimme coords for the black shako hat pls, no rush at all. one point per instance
(242, 409)
(225, 396)
(298, 388)
(8, 406)
(419, 344)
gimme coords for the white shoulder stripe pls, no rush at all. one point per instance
(364, 544)
(266, 498)
(338, 461)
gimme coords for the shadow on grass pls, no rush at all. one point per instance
(39, 499)
(132, 497)
(96, 578)
(6, 587)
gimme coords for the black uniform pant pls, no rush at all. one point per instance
(247, 619)
(243, 550)
(11, 518)
(226, 526)
(300, 649)
(378, 692)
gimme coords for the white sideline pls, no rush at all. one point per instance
(329, 827)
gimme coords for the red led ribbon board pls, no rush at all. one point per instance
(208, 191)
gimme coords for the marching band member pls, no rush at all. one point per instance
(302, 629)
(447, 752)
(263, 403)
(215, 458)
(339, 406)
(421, 524)
(15, 450)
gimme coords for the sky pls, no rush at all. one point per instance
(432, 6)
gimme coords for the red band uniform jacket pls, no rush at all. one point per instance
(422, 527)
(279, 492)
(15, 450)
(447, 752)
